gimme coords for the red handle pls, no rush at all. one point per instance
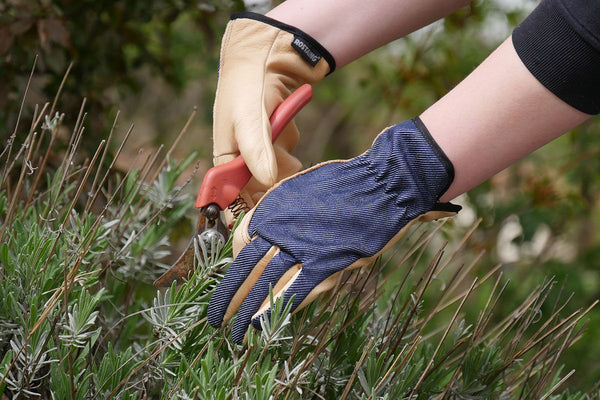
(222, 184)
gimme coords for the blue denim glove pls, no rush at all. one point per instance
(332, 217)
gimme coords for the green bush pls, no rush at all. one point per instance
(81, 243)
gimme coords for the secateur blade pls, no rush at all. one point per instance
(221, 187)
(210, 229)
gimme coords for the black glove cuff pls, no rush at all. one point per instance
(448, 207)
(437, 150)
(309, 49)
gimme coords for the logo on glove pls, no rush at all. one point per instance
(308, 54)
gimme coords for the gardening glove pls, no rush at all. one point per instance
(262, 60)
(335, 216)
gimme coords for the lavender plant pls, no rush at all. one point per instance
(79, 242)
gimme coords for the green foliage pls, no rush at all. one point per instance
(109, 42)
(78, 318)
(112, 369)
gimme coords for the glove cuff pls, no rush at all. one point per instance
(442, 157)
(305, 45)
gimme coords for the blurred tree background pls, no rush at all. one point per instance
(156, 60)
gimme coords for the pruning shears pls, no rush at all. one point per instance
(220, 189)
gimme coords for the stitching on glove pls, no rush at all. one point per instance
(280, 289)
(254, 275)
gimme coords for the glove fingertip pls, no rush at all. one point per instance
(256, 321)
(238, 333)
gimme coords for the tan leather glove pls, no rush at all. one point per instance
(261, 62)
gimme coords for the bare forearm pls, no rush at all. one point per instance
(494, 117)
(352, 28)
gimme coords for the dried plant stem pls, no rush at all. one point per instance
(153, 356)
(546, 353)
(555, 328)
(14, 134)
(84, 179)
(462, 243)
(396, 365)
(101, 163)
(60, 88)
(358, 365)
(105, 177)
(168, 155)
(453, 280)
(150, 160)
(175, 142)
(463, 273)
(399, 315)
(44, 162)
(15, 195)
(67, 160)
(26, 144)
(553, 389)
(426, 281)
(406, 275)
(35, 123)
(437, 349)
(455, 299)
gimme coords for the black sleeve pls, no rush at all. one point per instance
(559, 42)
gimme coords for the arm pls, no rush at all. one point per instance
(497, 115)
(350, 29)
(500, 112)
(541, 82)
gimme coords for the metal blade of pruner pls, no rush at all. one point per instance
(221, 187)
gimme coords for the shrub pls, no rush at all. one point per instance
(81, 242)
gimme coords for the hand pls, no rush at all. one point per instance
(335, 216)
(262, 61)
